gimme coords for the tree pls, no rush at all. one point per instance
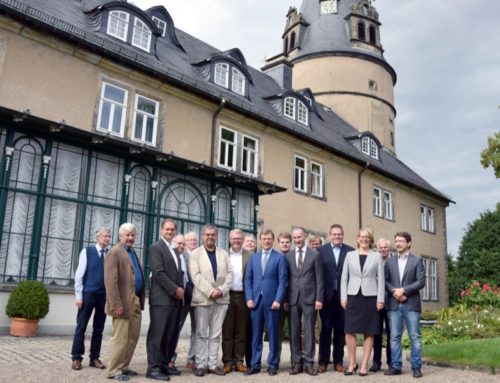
(479, 253)
(491, 155)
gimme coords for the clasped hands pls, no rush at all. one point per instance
(399, 294)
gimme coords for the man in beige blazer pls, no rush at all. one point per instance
(125, 293)
(210, 270)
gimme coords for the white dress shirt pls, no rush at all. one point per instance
(172, 250)
(237, 266)
(402, 260)
(82, 268)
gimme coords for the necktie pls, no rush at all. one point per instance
(265, 255)
(300, 263)
(102, 254)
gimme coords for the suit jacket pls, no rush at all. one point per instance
(306, 285)
(166, 277)
(119, 278)
(202, 275)
(188, 291)
(331, 270)
(371, 280)
(413, 281)
(271, 286)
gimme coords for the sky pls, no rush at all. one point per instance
(447, 57)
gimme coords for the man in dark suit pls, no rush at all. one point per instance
(234, 329)
(332, 314)
(125, 294)
(305, 297)
(165, 298)
(404, 278)
(266, 281)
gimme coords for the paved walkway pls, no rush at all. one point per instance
(46, 359)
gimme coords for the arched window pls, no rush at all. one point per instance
(292, 40)
(372, 34)
(285, 45)
(361, 31)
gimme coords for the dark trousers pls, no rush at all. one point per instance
(377, 343)
(332, 320)
(91, 302)
(234, 329)
(263, 314)
(163, 325)
(302, 315)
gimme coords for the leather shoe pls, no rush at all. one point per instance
(240, 367)
(310, 370)
(228, 368)
(156, 375)
(375, 367)
(76, 364)
(120, 377)
(322, 368)
(190, 365)
(252, 371)
(130, 373)
(171, 371)
(96, 363)
(272, 371)
(295, 370)
(393, 371)
(417, 372)
(339, 368)
(199, 372)
(216, 371)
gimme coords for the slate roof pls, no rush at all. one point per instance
(75, 20)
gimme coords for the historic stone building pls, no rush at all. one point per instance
(108, 113)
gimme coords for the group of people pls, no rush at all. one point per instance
(236, 295)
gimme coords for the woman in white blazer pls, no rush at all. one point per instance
(362, 295)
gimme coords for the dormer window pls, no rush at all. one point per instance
(142, 35)
(230, 77)
(118, 24)
(369, 147)
(162, 25)
(296, 110)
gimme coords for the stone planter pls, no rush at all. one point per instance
(23, 327)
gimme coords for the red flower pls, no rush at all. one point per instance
(477, 284)
(462, 294)
(486, 287)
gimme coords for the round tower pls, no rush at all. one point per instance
(335, 49)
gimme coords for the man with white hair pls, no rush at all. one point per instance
(125, 295)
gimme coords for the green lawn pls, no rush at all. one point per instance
(475, 353)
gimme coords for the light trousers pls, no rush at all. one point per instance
(209, 320)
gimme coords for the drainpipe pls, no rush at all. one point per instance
(214, 129)
(360, 217)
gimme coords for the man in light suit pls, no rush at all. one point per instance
(266, 281)
(305, 297)
(234, 329)
(404, 278)
(210, 270)
(125, 295)
(332, 314)
(165, 299)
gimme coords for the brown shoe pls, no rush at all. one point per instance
(295, 370)
(322, 368)
(228, 368)
(339, 368)
(240, 367)
(190, 365)
(76, 364)
(96, 363)
(310, 371)
(216, 371)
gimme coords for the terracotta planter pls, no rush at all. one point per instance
(23, 327)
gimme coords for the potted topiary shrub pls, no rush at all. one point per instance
(27, 304)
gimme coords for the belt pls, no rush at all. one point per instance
(235, 292)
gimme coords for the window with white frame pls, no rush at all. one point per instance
(383, 203)
(145, 120)
(328, 6)
(388, 205)
(316, 179)
(227, 148)
(222, 74)
(141, 37)
(112, 109)
(249, 155)
(161, 24)
(427, 219)
(118, 24)
(290, 107)
(302, 113)
(300, 174)
(369, 147)
(238, 82)
(430, 290)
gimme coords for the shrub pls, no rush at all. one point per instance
(479, 295)
(28, 300)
